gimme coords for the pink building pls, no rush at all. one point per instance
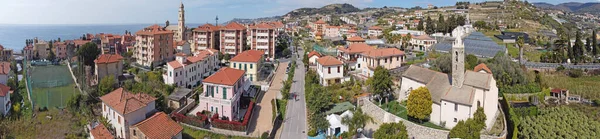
(60, 50)
(222, 92)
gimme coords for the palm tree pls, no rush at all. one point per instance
(358, 120)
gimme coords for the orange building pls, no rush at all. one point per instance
(154, 46)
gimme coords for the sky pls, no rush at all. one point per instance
(158, 11)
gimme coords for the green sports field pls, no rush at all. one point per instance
(52, 86)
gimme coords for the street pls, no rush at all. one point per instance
(295, 123)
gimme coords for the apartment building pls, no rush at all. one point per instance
(250, 61)
(233, 38)
(388, 58)
(189, 71)
(206, 37)
(375, 31)
(332, 31)
(222, 92)
(262, 37)
(154, 46)
(60, 50)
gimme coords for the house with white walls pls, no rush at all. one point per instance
(330, 70)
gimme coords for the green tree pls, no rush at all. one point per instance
(521, 45)
(318, 98)
(286, 52)
(227, 57)
(471, 128)
(441, 24)
(89, 51)
(578, 48)
(344, 37)
(419, 103)
(74, 103)
(358, 120)
(471, 61)
(420, 26)
(391, 131)
(381, 83)
(429, 29)
(594, 44)
(106, 85)
(318, 121)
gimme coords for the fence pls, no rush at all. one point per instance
(233, 125)
(325, 51)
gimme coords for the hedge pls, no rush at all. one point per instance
(233, 125)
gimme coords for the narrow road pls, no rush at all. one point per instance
(295, 123)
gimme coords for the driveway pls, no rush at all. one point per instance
(295, 123)
(263, 122)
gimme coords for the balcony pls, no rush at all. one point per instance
(262, 34)
(229, 34)
(262, 40)
(262, 47)
(230, 47)
(230, 40)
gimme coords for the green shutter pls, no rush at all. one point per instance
(233, 65)
(245, 67)
(251, 66)
(224, 93)
(212, 91)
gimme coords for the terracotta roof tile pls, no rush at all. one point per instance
(175, 64)
(207, 27)
(125, 102)
(320, 22)
(423, 37)
(159, 126)
(101, 132)
(277, 24)
(356, 48)
(225, 76)
(4, 90)
(482, 66)
(314, 53)
(234, 26)
(329, 61)
(356, 39)
(108, 58)
(261, 26)
(385, 52)
(374, 28)
(248, 56)
(4, 68)
(152, 30)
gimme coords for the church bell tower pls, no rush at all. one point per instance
(458, 62)
(181, 24)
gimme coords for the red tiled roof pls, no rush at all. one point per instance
(329, 61)
(175, 64)
(261, 26)
(385, 52)
(277, 24)
(314, 53)
(374, 28)
(482, 66)
(557, 90)
(248, 56)
(320, 22)
(80, 42)
(4, 90)
(152, 30)
(207, 27)
(356, 39)
(225, 76)
(101, 132)
(159, 126)
(180, 54)
(108, 58)
(4, 68)
(125, 102)
(356, 48)
(352, 31)
(234, 26)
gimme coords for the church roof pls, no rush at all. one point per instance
(440, 87)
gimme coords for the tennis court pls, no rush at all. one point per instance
(52, 86)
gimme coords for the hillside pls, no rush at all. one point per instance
(325, 10)
(577, 7)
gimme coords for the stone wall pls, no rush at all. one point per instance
(414, 130)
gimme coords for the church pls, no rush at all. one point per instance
(456, 96)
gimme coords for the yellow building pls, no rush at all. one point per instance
(249, 61)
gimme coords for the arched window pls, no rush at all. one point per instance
(456, 52)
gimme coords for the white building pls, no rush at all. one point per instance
(312, 57)
(330, 70)
(388, 58)
(422, 42)
(335, 123)
(351, 53)
(123, 109)
(5, 99)
(189, 71)
(457, 98)
(375, 31)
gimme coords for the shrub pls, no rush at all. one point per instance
(264, 135)
(575, 73)
(560, 68)
(312, 132)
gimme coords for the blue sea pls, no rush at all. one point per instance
(14, 36)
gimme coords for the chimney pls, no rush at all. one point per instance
(167, 23)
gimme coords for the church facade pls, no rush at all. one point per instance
(457, 96)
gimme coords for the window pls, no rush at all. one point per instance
(170, 74)
(119, 117)
(224, 93)
(240, 65)
(478, 103)
(455, 107)
(134, 133)
(245, 67)
(338, 68)
(233, 65)
(358, 65)
(329, 70)
(212, 91)
(455, 120)
(251, 66)
(456, 52)
(251, 78)
(385, 60)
